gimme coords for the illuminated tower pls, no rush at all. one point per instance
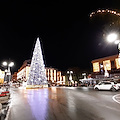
(37, 75)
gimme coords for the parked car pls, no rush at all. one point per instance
(118, 83)
(107, 85)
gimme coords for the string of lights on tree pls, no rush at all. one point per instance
(105, 11)
(37, 75)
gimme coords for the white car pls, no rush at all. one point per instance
(106, 85)
(118, 83)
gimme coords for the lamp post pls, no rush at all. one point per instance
(8, 73)
(113, 37)
(70, 76)
(5, 74)
(84, 75)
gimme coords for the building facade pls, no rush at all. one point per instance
(2, 76)
(23, 72)
(110, 64)
(54, 77)
(14, 76)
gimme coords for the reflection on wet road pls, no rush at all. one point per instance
(63, 104)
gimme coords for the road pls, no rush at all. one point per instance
(63, 104)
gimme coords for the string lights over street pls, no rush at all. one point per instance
(105, 11)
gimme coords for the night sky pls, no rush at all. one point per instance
(69, 37)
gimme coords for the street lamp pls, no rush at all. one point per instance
(10, 64)
(5, 63)
(84, 74)
(70, 77)
(113, 37)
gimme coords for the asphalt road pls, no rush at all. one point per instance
(63, 104)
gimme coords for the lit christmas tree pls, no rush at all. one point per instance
(37, 75)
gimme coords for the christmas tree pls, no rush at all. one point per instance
(37, 75)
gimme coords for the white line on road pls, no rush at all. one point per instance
(8, 112)
(114, 98)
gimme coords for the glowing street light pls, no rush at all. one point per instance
(112, 37)
(5, 63)
(11, 64)
(117, 41)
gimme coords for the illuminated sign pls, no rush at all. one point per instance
(107, 65)
(96, 67)
(117, 60)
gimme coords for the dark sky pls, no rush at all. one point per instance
(69, 38)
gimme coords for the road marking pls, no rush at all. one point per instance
(115, 98)
(8, 112)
